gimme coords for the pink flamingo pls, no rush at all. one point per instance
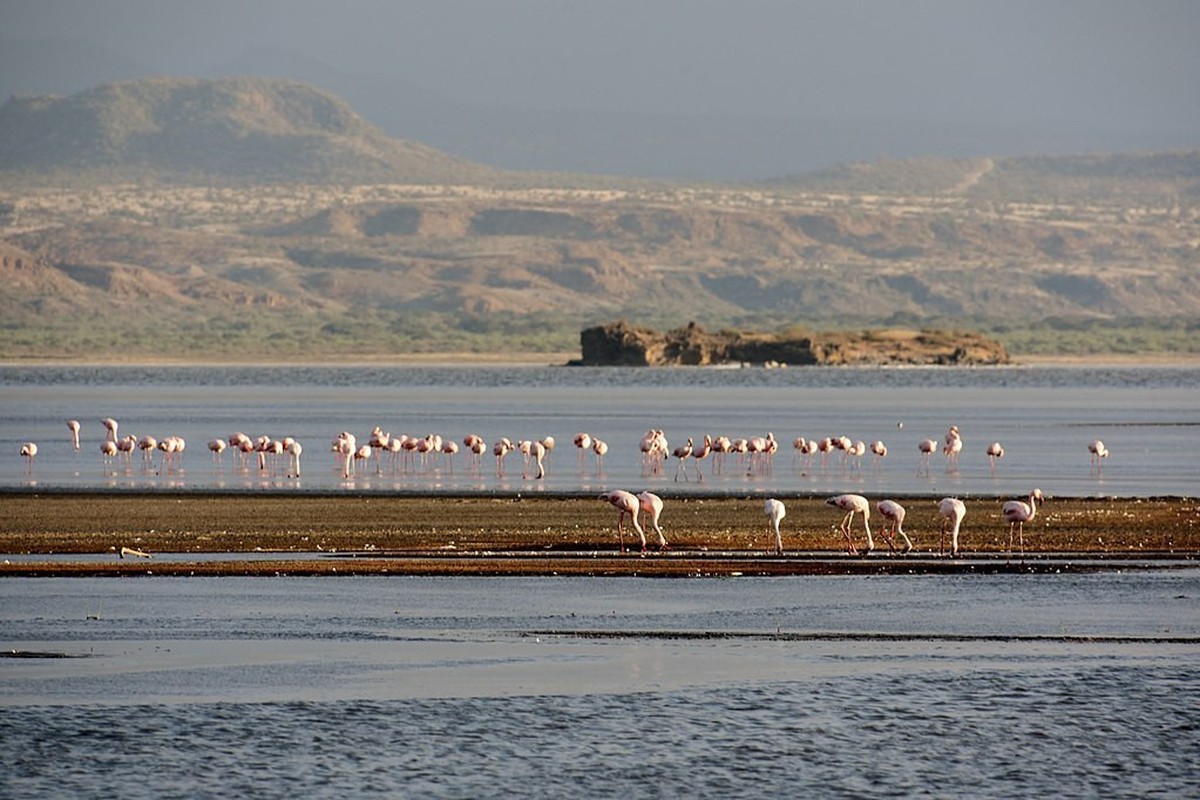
(952, 510)
(652, 505)
(683, 453)
(108, 451)
(626, 504)
(583, 441)
(548, 446)
(1017, 513)
(775, 511)
(450, 450)
(73, 426)
(600, 448)
(29, 451)
(1099, 453)
(995, 452)
(879, 451)
(894, 513)
(699, 453)
(500, 449)
(111, 426)
(926, 448)
(147, 445)
(294, 449)
(217, 446)
(853, 504)
(535, 454)
(952, 447)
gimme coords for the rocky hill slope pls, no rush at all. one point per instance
(269, 218)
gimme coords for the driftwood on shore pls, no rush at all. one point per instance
(623, 344)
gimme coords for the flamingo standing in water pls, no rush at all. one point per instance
(879, 451)
(699, 453)
(926, 447)
(73, 426)
(1017, 513)
(952, 510)
(683, 453)
(853, 504)
(775, 511)
(994, 453)
(894, 513)
(217, 446)
(29, 451)
(1099, 452)
(600, 448)
(652, 504)
(952, 448)
(626, 503)
(583, 441)
(294, 449)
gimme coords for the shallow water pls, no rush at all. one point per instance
(1051, 685)
(1044, 416)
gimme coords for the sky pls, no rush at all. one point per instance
(1129, 70)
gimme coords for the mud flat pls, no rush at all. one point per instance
(83, 533)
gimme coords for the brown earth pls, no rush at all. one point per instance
(447, 535)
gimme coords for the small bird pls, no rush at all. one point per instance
(775, 511)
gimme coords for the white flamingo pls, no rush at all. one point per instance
(1099, 453)
(995, 452)
(853, 504)
(775, 511)
(73, 426)
(952, 510)
(626, 504)
(894, 513)
(1017, 513)
(652, 505)
(29, 451)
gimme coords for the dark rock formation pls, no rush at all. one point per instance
(622, 344)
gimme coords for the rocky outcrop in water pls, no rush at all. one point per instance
(622, 344)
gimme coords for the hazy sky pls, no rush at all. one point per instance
(1067, 65)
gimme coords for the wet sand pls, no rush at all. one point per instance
(556, 535)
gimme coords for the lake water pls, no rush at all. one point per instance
(1044, 416)
(1080, 685)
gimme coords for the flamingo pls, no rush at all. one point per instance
(583, 441)
(625, 503)
(926, 447)
(952, 448)
(652, 504)
(1017, 513)
(450, 450)
(73, 426)
(994, 453)
(879, 451)
(600, 448)
(217, 446)
(1099, 452)
(853, 504)
(683, 453)
(108, 450)
(294, 449)
(29, 452)
(534, 452)
(147, 444)
(952, 510)
(111, 425)
(894, 513)
(699, 453)
(500, 449)
(775, 511)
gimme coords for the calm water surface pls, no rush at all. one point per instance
(957, 686)
(1044, 416)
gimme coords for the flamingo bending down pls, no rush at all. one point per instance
(994, 453)
(111, 425)
(952, 510)
(894, 513)
(217, 446)
(625, 503)
(73, 426)
(853, 504)
(775, 511)
(1018, 513)
(1099, 452)
(29, 452)
(652, 504)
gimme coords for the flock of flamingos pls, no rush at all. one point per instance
(754, 456)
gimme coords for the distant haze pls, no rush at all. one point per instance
(690, 89)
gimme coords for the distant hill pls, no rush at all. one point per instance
(244, 130)
(253, 217)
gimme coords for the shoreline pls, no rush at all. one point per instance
(557, 535)
(560, 359)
